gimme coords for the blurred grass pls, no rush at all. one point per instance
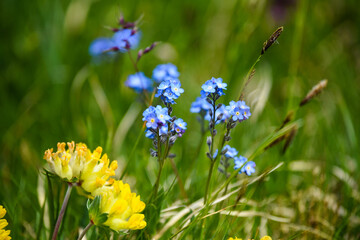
(50, 92)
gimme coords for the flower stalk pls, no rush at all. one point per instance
(62, 211)
(85, 230)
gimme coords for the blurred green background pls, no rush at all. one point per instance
(51, 91)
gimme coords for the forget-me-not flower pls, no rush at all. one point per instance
(200, 104)
(126, 39)
(169, 89)
(214, 85)
(162, 71)
(139, 82)
(231, 152)
(238, 110)
(101, 46)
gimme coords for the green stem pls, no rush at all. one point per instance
(62, 211)
(157, 183)
(85, 230)
(208, 181)
(248, 75)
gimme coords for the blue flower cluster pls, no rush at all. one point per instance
(238, 110)
(239, 162)
(139, 82)
(122, 41)
(246, 167)
(158, 118)
(170, 86)
(213, 86)
(164, 71)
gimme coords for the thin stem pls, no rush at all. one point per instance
(133, 62)
(211, 169)
(208, 181)
(85, 230)
(211, 150)
(157, 183)
(161, 164)
(62, 211)
(248, 75)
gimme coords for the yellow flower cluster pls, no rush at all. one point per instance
(4, 234)
(118, 207)
(79, 164)
(263, 238)
(121, 206)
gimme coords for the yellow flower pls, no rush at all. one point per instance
(266, 238)
(96, 171)
(79, 164)
(4, 234)
(235, 238)
(121, 207)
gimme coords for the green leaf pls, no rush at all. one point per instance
(100, 219)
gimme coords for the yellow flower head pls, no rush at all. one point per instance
(235, 238)
(266, 238)
(79, 164)
(4, 234)
(121, 207)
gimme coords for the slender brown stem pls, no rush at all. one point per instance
(85, 230)
(62, 211)
(133, 62)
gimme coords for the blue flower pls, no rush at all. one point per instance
(246, 167)
(239, 162)
(179, 126)
(156, 118)
(214, 85)
(162, 114)
(149, 134)
(238, 110)
(237, 114)
(101, 46)
(231, 152)
(220, 84)
(169, 89)
(249, 168)
(164, 130)
(169, 94)
(199, 105)
(126, 39)
(139, 82)
(175, 88)
(162, 71)
(149, 115)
